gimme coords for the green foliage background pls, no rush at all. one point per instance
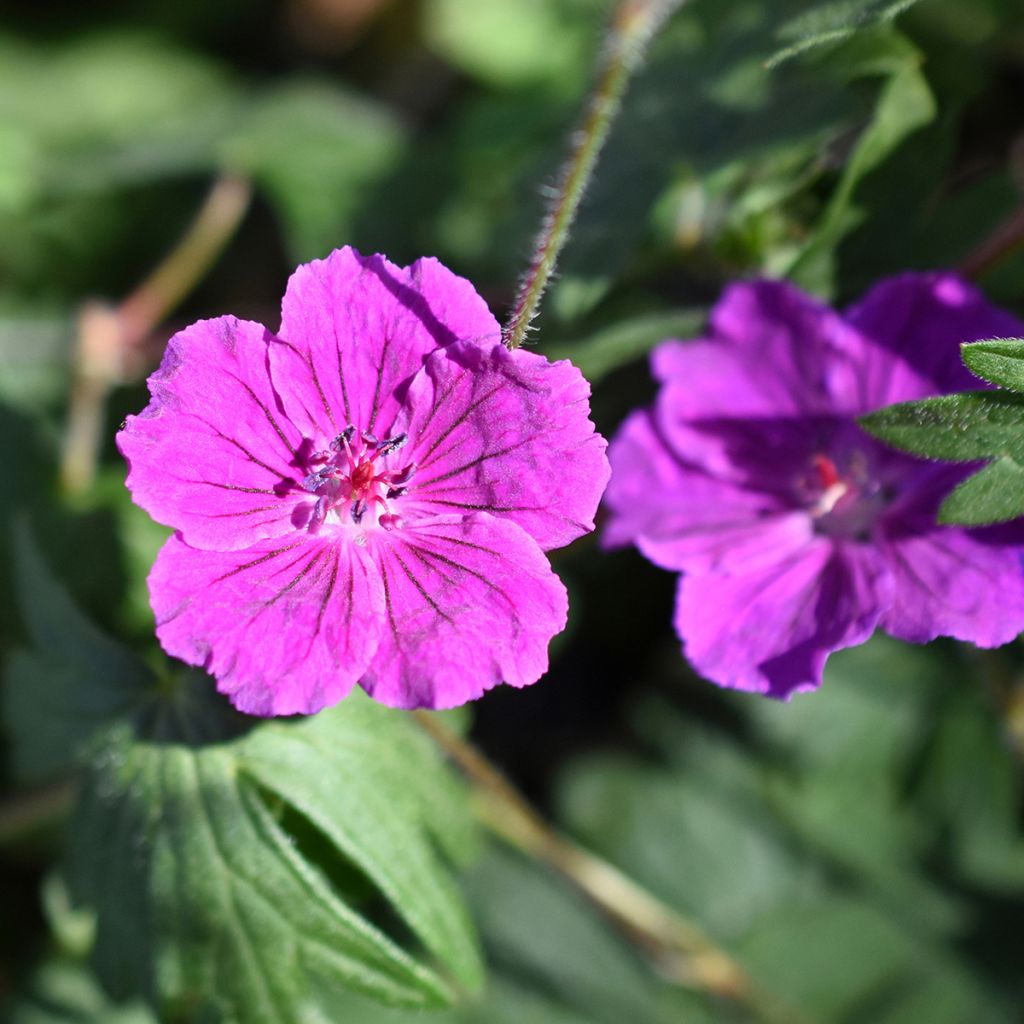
(859, 851)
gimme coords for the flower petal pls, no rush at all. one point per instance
(681, 518)
(506, 433)
(771, 351)
(914, 325)
(967, 584)
(470, 602)
(771, 629)
(209, 453)
(287, 626)
(355, 328)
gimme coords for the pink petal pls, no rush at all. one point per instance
(771, 351)
(506, 433)
(681, 518)
(287, 626)
(771, 629)
(355, 328)
(470, 602)
(208, 454)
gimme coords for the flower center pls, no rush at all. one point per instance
(356, 480)
(842, 494)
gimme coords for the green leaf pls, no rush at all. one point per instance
(622, 343)
(957, 428)
(904, 105)
(830, 23)
(72, 681)
(316, 150)
(994, 494)
(250, 869)
(1000, 361)
(64, 992)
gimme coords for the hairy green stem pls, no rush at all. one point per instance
(632, 26)
(678, 948)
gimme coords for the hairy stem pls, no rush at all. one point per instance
(109, 338)
(678, 948)
(633, 25)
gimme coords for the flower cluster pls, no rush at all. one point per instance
(365, 495)
(795, 532)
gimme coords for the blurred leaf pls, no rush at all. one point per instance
(613, 347)
(71, 682)
(831, 23)
(515, 42)
(957, 428)
(1000, 361)
(994, 494)
(64, 992)
(316, 150)
(34, 357)
(904, 105)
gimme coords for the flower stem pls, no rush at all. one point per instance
(1002, 243)
(109, 338)
(30, 812)
(678, 948)
(632, 26)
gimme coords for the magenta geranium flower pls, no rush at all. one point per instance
(796, 533)
(364, 496)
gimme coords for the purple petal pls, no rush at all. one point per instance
(209, 453)
(287, 626)
(505, 433)
(470, 602)
(956, 582)
(681, 518)
(914, 325)
(770, 630)
(771, 351)
(355, 328)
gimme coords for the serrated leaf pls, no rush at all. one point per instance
(831, 23)
(1000, 361)
(957, 428)
(994, 494)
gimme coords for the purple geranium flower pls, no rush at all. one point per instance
(364, 496)
(797, 533)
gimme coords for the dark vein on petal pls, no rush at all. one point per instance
(425, 459)
(307, 568)
(380, 380)
(423, 593)
(326, 597)
(469, 465)
(424, 553)
(249, 455)
(266, 412)
(258, 561)
(235, 487)
(247, 512)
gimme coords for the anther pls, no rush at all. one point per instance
(392, 444)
